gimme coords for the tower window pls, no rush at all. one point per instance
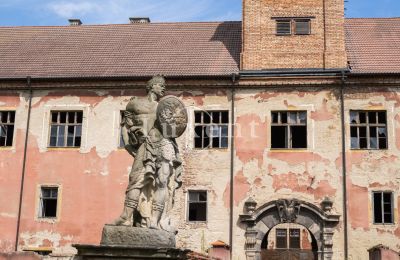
(283, 27)
(197, 206)
(302, 26)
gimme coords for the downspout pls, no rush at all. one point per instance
(232, 165)
(21, 192)
(344, 173)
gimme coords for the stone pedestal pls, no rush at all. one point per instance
(120, 242)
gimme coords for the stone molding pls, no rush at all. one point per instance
(258, 221)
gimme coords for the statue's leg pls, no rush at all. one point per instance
(131, 203)
(160, 193)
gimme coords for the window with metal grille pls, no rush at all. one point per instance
(283, 27)
(302, 26)
(66, 129)
(197, 206)
(383, 207)
(48, 202)
(368, 129)
(211, 129)
(289, 129)
(294, 238)
(281, 238)
(7, 122)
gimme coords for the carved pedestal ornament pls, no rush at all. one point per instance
(320, 222)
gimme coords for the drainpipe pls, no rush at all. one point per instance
(344, 173)
(21, 192)
(232, 166)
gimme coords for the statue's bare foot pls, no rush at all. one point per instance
(122, 222)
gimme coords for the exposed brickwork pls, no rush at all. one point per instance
(262, 49)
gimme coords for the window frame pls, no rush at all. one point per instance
(66, 124)
(299, 20)
(382, 207)
(40, 212)
(210, 124)
(367, 126)
(283, 20)
(9, 123)
(289, 137)
(121, 141)
(290, 238)
(189, 202)
(286, 238)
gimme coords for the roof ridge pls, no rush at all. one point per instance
(119, 24)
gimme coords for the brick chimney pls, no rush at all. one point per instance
(139, 20)
(75, 22)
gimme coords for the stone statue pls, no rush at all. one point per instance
(149, 129)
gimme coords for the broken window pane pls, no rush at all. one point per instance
(299, 136)
(367, 133)
(279, 136)
(383, 207)
(197, 206)
(48, 202)
(7, 121)
(65, 129)
(212, 132)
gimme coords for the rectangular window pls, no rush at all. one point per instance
(66, 129)
(48, 202)
(7, 121)
(368, 130)
(211, 129)
(383, 207)
(284, 27)
(281, 238)
(294, 238)
(302, 26)
(289, 129)
(197, 206)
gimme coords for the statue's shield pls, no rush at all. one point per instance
(172, 117)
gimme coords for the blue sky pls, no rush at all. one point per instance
(56, 12)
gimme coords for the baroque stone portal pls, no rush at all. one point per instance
(149, 129)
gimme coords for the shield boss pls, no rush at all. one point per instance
(172, 117)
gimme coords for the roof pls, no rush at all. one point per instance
(123, 50)
(171, 49)
(373, 45)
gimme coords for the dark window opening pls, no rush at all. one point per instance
(281, 238)
(289, 129)
(211, 129)
(66, 129)
(383, 207)
(368, 130)
(48, 202)
(294, 238)
(197, 204)
(7, 122)
(283, 27)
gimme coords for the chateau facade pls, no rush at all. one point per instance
(292, 145)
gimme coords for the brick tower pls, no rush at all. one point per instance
(293, 34)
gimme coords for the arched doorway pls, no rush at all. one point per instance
(289, 241)
(260, 222)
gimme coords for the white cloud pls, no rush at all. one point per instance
(69, 9)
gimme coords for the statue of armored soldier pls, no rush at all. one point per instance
(149, 129)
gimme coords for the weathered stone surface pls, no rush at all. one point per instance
(137, 237)
(127, 253)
